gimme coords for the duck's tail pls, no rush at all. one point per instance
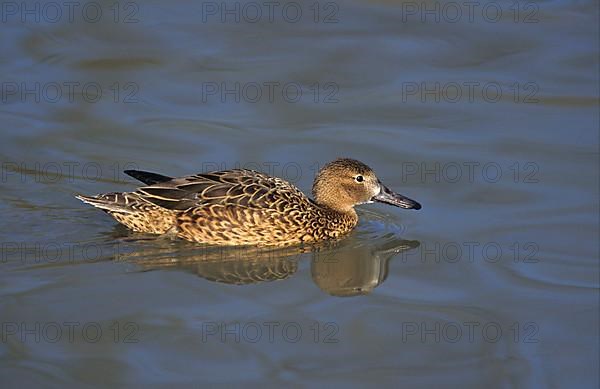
(131, 210)
(125, 202)
(111, 202)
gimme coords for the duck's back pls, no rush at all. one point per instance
(241, 187)
(233, 207)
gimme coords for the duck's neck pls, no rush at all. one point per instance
(338, 221)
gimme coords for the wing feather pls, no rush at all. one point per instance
(241, 187)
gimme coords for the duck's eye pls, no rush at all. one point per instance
(359, 178)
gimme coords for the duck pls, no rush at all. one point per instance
(241, 207)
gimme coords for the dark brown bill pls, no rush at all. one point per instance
(387, 196)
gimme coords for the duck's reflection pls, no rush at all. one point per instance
(352, 271)
(337, 268)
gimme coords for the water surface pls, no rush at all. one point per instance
(490, 123)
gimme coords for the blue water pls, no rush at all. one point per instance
(490, 122)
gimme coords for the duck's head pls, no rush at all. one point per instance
(344, 183)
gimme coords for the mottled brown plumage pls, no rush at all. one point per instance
(245, 207)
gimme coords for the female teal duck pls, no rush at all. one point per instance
(245, 207)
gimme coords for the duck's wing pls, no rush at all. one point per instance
(147, 178)
(239, 187)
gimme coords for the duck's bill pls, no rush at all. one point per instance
(395, 199)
